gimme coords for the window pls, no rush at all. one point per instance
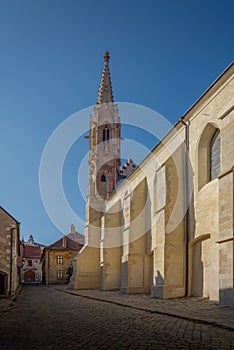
(208, 155)
(215, 156)
(103, 178)
(59, 274)
(105, 134)
(160, 189)
(59, 259)
(29, 263)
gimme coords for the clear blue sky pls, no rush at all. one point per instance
(164, 55)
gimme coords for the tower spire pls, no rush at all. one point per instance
(105, 94)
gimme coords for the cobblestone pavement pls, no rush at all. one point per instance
(198, 309)
(4, 304)
(45, 318)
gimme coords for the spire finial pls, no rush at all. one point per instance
(105, 94)
(106, 56)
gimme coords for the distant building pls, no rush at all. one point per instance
(31, 269)
(30, 241)
(57, 258)
(10, 260)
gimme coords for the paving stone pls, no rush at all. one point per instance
(199, 309)
(45, 318)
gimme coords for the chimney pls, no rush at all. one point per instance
(73, 229)
(64, 242)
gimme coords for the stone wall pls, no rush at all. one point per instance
(9, 252)
(172, 224)
(51, 265)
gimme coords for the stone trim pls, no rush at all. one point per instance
(225, 240)
(226, 172)
(226, 113)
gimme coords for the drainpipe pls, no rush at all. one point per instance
(11, 260)
(11, 228)
(186, 124)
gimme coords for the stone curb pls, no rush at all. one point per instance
(194, 319)
(17, 292)
(10, 299)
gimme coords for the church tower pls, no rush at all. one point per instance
(104, 172)
(104, 137)
(104, 155)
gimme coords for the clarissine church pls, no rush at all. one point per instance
(166, 230)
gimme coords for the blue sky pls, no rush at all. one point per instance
(164, 55)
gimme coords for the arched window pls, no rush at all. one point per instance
(103, 178)
(215, 155)
(208, 155)
(105, 134)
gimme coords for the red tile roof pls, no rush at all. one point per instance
(32, 252)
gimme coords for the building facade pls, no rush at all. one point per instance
(31, 271)
(168, 230)
(10, 259)
(57, 258)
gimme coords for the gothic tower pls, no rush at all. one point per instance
(104, 155)
(104, 163)
(104, 136)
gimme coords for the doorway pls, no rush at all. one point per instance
(29, 276)
(3, 283)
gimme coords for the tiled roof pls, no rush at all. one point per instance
(77, 237)
(73, 241)
(40, 245)
(32, 252)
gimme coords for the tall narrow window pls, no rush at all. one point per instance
(103, 178)
(215, 156)
(105, 134)
(208, 155)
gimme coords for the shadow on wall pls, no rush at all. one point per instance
(159, 283)
(226, 297)
(192, 221)
(197, 270)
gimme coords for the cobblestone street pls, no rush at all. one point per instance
(45, 318)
